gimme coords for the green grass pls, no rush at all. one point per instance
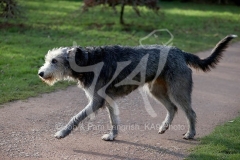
(49, 24)
(222, 144)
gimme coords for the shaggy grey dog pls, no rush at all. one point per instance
(108, 72)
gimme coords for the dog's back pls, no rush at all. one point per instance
(136, 66)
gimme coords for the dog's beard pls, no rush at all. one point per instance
(52, 79)
(49, 80)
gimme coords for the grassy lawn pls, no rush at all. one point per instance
(222, 144)
(49, 24)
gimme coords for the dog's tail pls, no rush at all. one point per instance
(211, 61)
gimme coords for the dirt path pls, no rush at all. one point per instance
(27, 127)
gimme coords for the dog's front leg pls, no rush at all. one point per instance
(73, 123)
(114, 120)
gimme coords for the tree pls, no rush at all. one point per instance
(9, 9)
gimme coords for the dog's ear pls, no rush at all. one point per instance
(78, 54)
(81, 56)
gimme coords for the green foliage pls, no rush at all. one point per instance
(223, 143)
(50, 24)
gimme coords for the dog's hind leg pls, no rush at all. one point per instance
(93, 106)
(184, 102)
(180, 89)
(158, 89)
(114, 120)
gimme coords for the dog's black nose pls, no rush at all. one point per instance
(41, 74)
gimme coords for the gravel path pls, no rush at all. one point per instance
(27, 127)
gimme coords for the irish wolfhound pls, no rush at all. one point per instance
(108, 72)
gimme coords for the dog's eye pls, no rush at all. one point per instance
(54, 61)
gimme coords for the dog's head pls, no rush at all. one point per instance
(61, 63)
(56, 66)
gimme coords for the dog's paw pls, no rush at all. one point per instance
(108, 137)
(189, 135)
(163, 128)
(62, 133)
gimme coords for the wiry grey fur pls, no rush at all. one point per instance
(172, 87)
